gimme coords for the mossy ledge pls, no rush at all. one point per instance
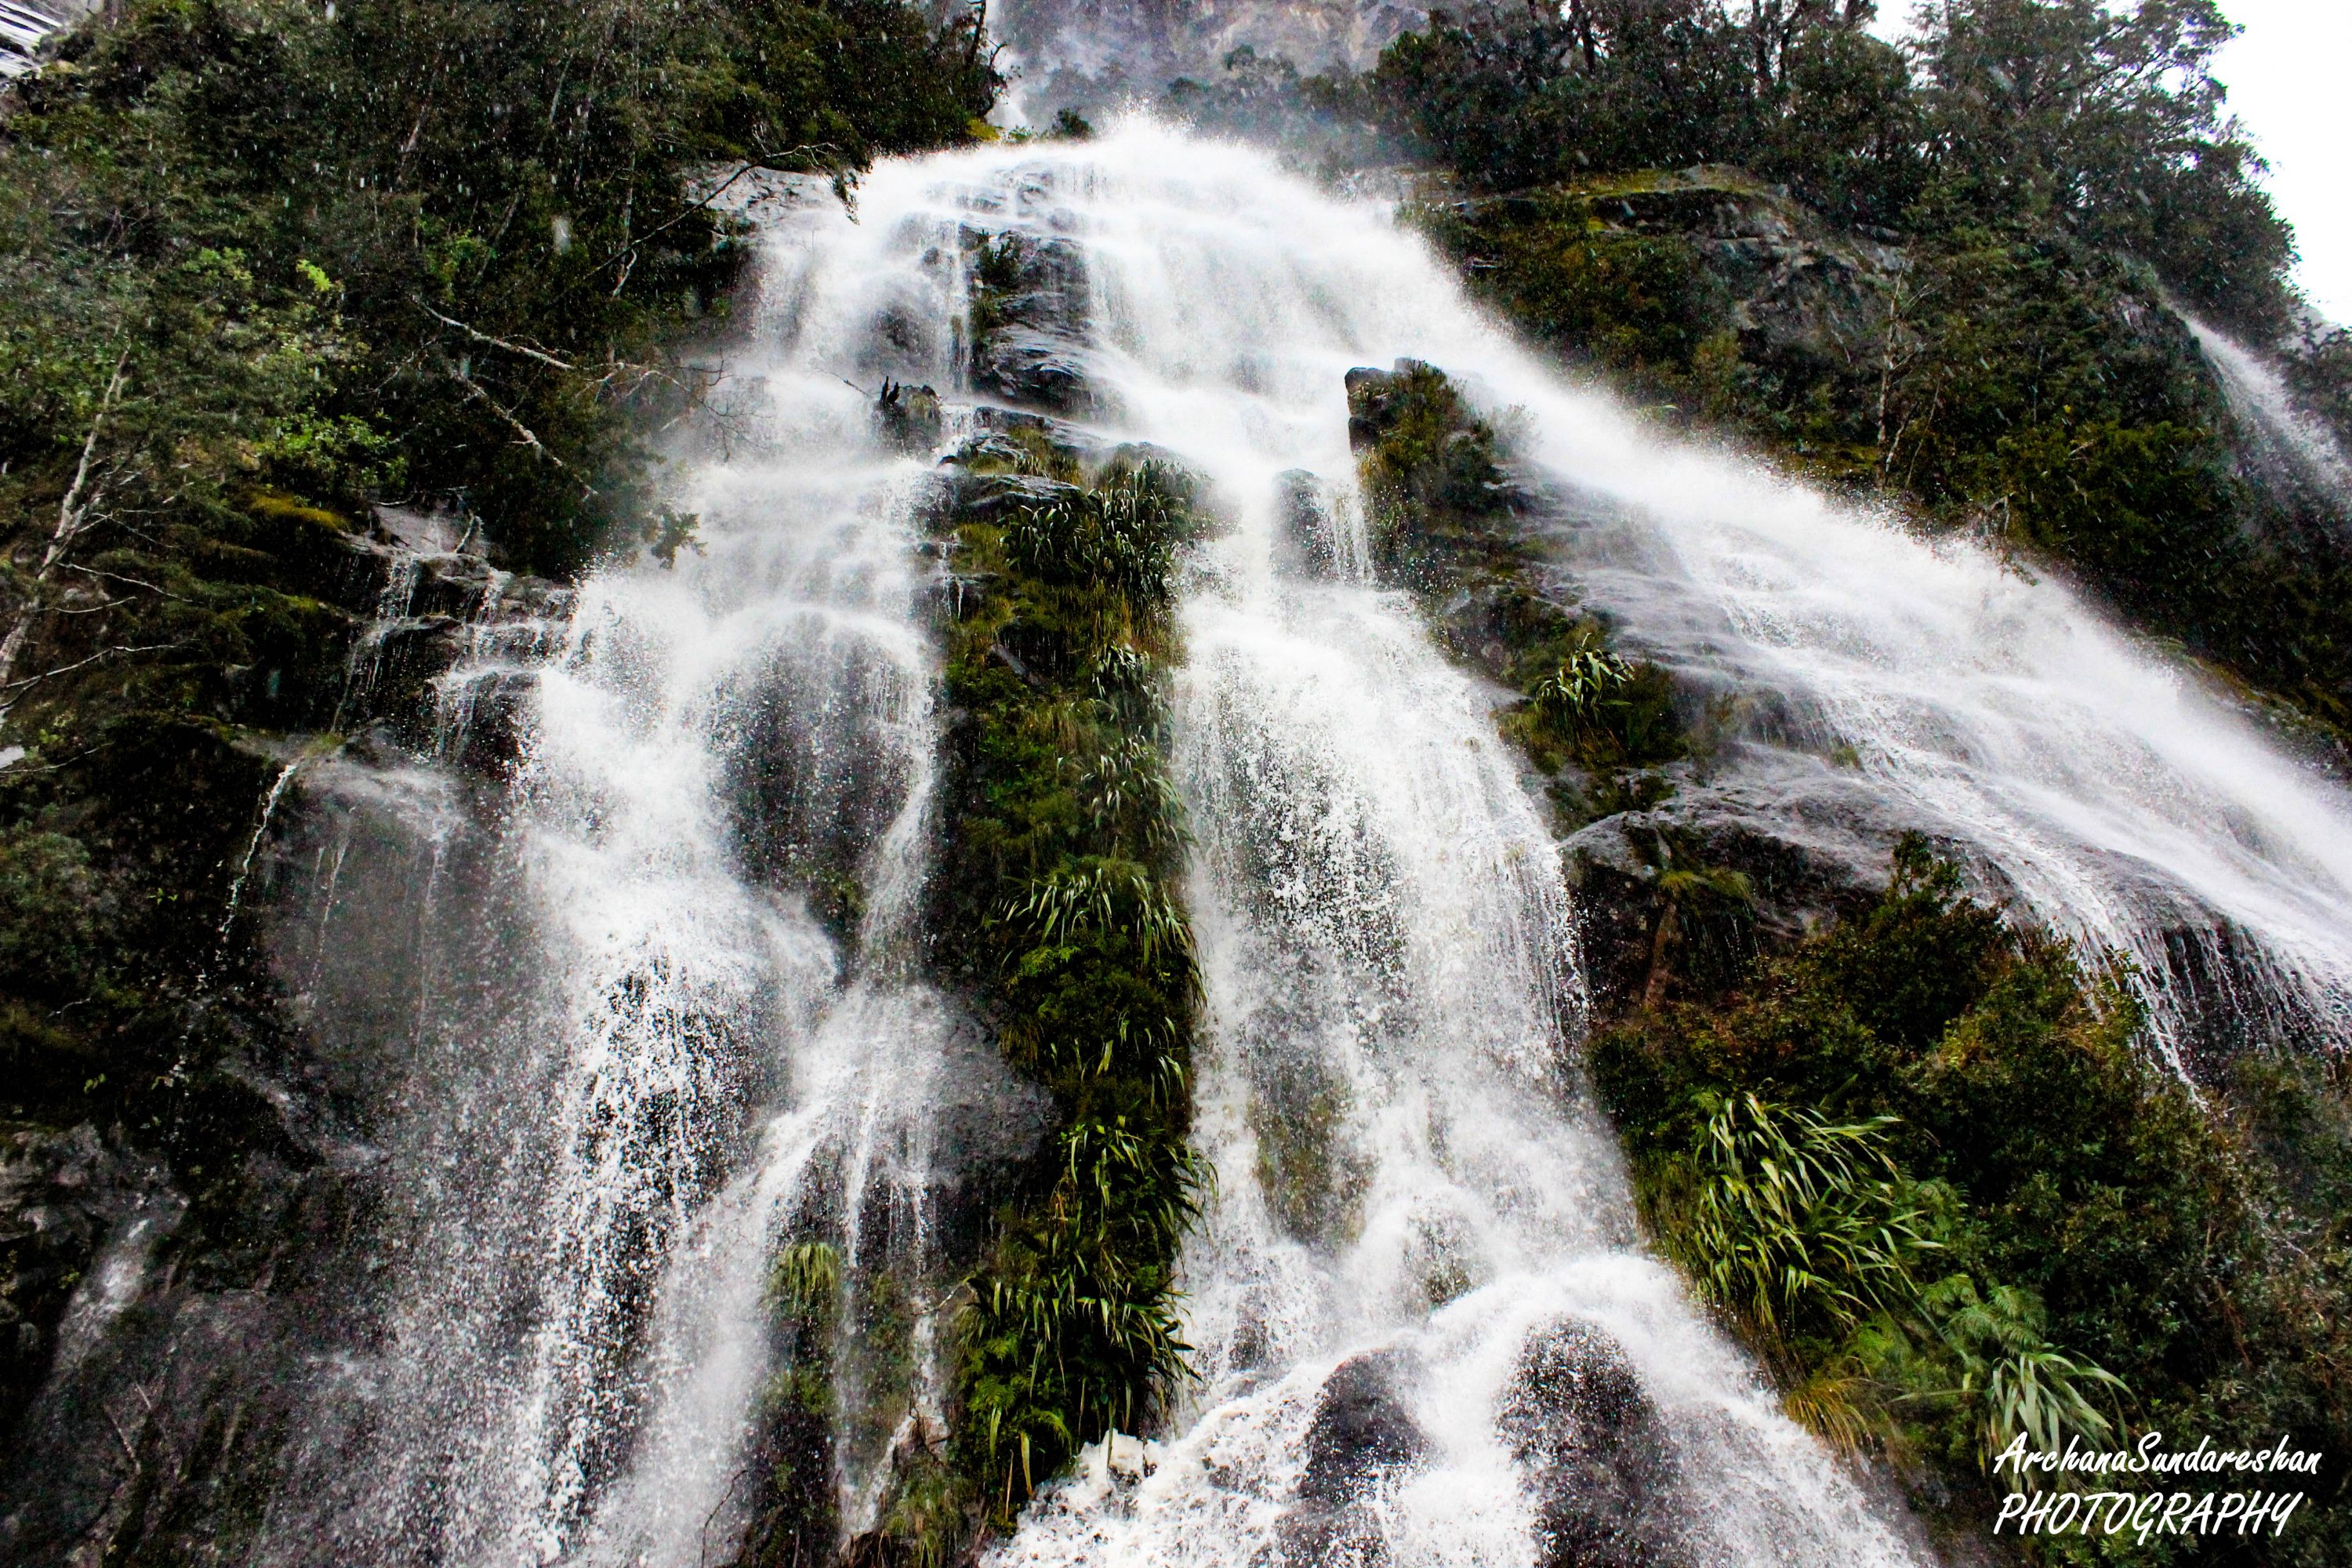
(1055, 913)
(1916, 1159)
(1444, 519)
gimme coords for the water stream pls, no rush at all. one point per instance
(2292, 450)
(701, 1035)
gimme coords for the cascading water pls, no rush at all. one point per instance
(1403, 1171)
(27, 25)
(1884, 679)
(682, 1023)
(700, 889)
(2290, 448)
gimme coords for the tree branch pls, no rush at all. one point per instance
(525, 349)
(474, 388)
(102, 654)
(70, 508)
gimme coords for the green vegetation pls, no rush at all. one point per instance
(270, 262)
(1964, 295)
(1442, 522)
(1054, 911)
(793, 1513)
(2064, 116)
(1921, 1162)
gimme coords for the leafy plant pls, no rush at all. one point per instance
(806, 1279)
(1063, 842)
(1102, 899)
(2110, 1246)
(2011, 1374)
(1073, 1333)
(1121, 537)
(1790, 1220)
(1577, 689)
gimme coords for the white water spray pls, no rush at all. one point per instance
(1391, 980)
(2288, 443)
(682, 1060)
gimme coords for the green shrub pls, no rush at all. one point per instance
(2110, 1250)
(1790, 1220)
(1445, 524)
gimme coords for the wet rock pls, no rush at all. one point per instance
(991, 420)
(1362, 1435)
(908, 418)
(1307, 541)
(1811, 842)
(159, 1448)
(62, 1193)
(1033, 367)
(1030, 312)
(987, 498)
(481, 720)
(1597, 1453)
(1375, 398)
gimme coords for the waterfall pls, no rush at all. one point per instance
(26, 25)
(663, 1005)
(658, 1009)
(2290, 449)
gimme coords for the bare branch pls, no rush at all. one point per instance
(474, 389)
(73, 514)
(525, 349)
(132, 583)
(101, 655)
(71, 510)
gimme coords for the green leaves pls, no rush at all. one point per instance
(2009, 1373)
(1106, 900)
(1792, 1221)
(1072, 1331)
(1066, 835)
(805, 1280)
(1121, 536)
(1579, 687)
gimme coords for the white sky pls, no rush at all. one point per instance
(2286, 81)
(2286, 78)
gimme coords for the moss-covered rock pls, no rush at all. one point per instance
(1053, 912)
(1447, 520)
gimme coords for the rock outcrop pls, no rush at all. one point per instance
(1596, 1451)
(1363, 1435)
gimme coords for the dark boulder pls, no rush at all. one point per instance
(1030, 366)
(1362, 1435)
(1598, 1457)
(1808, 842)
(1030, 316)
(908, 418)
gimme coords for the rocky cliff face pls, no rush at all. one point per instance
(1067, 51)
(164, 1279)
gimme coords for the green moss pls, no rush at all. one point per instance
(1303, 1169)
(1445, 523)
(1632, 302)
(1062, 839)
